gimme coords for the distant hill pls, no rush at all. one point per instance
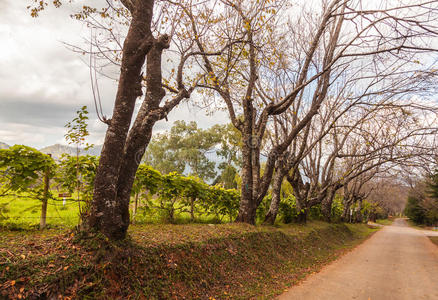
(4, 145)
(57, 150)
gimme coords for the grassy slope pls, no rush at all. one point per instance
(434, 239)
(171, 261)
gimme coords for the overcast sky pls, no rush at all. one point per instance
(42, 83)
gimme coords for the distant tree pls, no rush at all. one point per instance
(230, 148)
(227, 177)
(159, 156)
(185, 146)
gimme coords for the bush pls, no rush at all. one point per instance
(414, 211)
(174, 194)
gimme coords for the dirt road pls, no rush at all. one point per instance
(398, 262)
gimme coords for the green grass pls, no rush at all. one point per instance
(192, 261)
(384, 222)
(21, 212)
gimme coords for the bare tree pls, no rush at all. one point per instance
(268, 69)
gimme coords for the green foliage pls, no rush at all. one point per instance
(185, 145)
(372, 211)
(414, 211)
(221, 201)
(174, 193)
(85, 168)
(227, 178)
(288, 210)
(21, 170)
(231, 145)
(422, 206)
(73, 169)
(161, 157)
(337, 208)
(147, 177)
(77, 131)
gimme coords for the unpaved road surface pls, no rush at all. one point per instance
(398, 262)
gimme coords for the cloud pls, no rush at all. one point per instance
(42, 83)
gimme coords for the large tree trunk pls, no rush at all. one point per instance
(326, 205)
(358, 215)
(248, 207)
(346, 212)
(276, 197)
(302, 208)
(109, 214)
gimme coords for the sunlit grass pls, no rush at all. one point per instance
(384, 221)
(24, 212)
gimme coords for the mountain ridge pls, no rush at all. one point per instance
(57, 150)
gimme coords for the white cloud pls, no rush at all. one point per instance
(42, 83)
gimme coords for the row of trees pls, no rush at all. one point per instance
(26, 172)
(320, 93)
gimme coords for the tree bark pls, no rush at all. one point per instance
(247, 208)
(109, 214)
(359, 217)
(276, 196)
(326, 205)
(45, 199)
(346, 211)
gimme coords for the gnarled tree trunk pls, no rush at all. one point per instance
(276, 196)
(326, 204)
(123, 147)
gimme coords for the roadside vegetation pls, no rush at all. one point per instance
(385, 222)
(195, 261)
(422, 203)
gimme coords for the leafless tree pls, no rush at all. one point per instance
(269, 68)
